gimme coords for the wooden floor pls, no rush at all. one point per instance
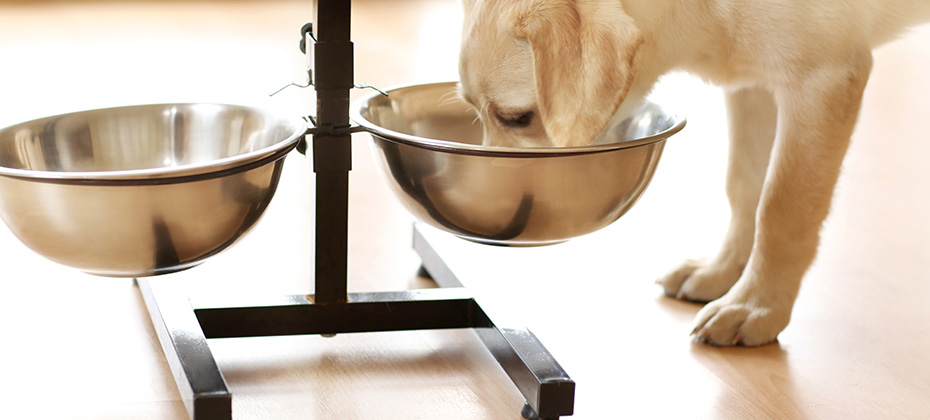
(79, 347)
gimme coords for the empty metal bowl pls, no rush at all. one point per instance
(428, 146)
(141, 190)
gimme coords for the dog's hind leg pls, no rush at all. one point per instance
(816, 116)
(752, 118)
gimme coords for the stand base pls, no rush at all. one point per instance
(183, 329)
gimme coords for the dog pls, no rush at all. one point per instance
(564, 72)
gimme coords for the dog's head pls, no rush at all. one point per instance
(546, 72)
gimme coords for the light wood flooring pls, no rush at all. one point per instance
(78, 347)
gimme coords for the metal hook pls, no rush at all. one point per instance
(307, 84)
(357, 86)
(367, 86)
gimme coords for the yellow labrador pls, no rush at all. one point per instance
(562, 72)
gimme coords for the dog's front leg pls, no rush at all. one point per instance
(816, 115)
(751, 114)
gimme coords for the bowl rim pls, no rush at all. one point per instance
(169, 174)
(361, 104)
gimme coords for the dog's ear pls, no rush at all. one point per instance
(584, 58)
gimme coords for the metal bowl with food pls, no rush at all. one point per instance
(141, 190)
(428, 146)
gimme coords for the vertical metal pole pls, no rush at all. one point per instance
(332, 153)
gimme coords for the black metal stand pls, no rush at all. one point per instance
(184, 327)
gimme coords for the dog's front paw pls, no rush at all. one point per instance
(741, 319)
(700, 280)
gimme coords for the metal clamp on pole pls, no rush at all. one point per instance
(308, 46)
(325, 130)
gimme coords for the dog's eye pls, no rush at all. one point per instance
(516, 120)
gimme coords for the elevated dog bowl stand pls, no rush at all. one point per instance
(184, 325)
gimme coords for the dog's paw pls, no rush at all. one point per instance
(740, 320)
(672, 281)
(700, 280)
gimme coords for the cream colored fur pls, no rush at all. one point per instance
(562, 72)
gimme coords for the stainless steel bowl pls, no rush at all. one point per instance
(428, 147)
(141, 190)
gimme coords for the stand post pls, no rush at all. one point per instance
(332, 151)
